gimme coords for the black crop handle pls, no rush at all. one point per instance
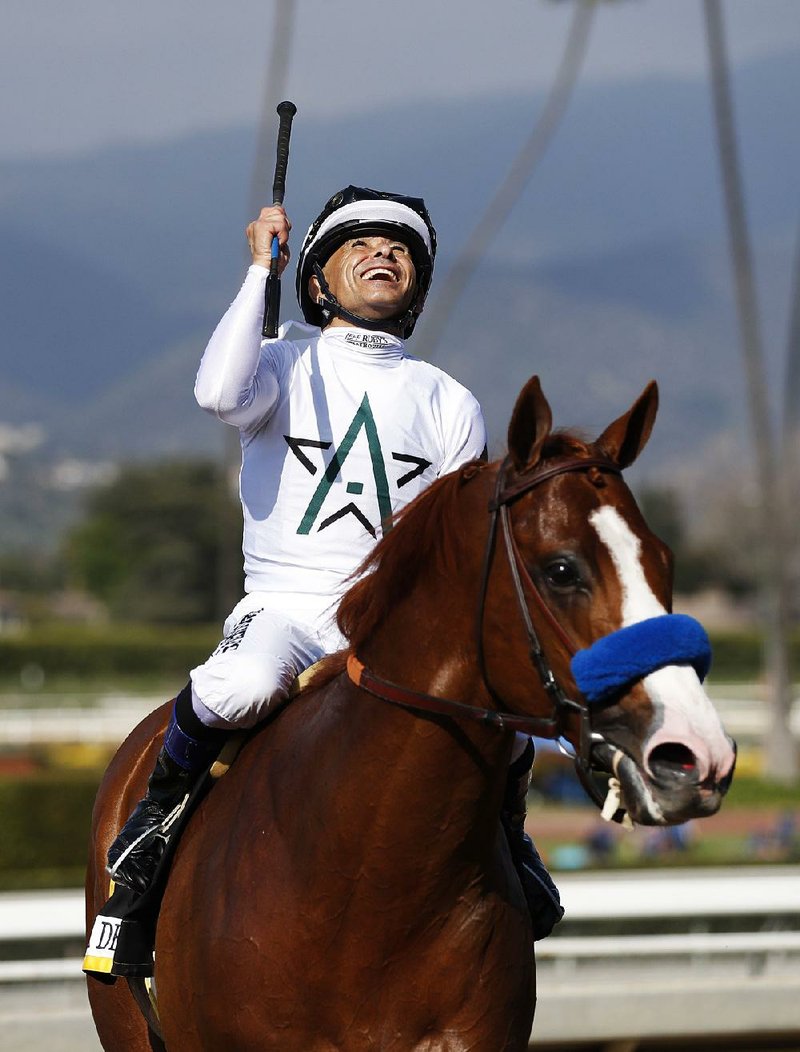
(286, 112)
(272, 295)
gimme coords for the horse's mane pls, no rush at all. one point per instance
(425, 536)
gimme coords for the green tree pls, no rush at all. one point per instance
(30, 571)
(702, 560)
(149, 545)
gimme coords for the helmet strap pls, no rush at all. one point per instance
(331, 307)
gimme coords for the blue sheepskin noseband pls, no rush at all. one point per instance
(627, 655)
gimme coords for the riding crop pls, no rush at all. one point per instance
(272, 295)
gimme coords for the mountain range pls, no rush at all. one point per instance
(612, 269)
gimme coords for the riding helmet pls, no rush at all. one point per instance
(353, 212)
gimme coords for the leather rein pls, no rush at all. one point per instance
(552, 726)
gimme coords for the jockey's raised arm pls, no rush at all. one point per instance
(272, 222)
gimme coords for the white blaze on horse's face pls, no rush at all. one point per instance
(684, 713)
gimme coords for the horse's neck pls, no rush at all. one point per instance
(430, 787)
(439, 779)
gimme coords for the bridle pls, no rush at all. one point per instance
(554, 726)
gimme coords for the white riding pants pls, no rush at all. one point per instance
(267, 642)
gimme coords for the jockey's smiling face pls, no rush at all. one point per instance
(371, 276)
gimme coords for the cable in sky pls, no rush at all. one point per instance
(509, 191)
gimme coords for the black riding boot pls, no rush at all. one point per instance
(135, 854)
(541, 894)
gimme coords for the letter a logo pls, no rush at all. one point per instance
(362, 421)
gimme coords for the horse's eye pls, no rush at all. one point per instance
(561, 574)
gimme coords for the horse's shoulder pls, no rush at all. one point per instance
(134, 758)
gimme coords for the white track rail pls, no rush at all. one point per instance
(107, 719)
(757, 891)
(692, 985)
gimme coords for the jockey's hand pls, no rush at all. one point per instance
(272, 222)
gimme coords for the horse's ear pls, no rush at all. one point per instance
(531, 423)
(625, 439)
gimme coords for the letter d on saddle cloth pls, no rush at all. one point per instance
(124, 932)
(123, 936)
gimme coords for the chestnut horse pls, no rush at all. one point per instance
(346, 886)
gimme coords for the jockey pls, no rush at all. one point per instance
(339, 429)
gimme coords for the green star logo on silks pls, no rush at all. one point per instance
(362, 421)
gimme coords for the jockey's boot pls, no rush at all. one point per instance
(135, 854)
(541, 894)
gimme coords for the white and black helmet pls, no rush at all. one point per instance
(357, 211)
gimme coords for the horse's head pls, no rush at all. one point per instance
(587, 567)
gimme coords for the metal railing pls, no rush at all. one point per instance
(607, 901)
(597, 978)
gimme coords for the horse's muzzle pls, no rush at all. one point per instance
(672, 786)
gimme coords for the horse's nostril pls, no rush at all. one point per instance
(725, 781)
(673, 762)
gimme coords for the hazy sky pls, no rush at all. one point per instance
(79, 74)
